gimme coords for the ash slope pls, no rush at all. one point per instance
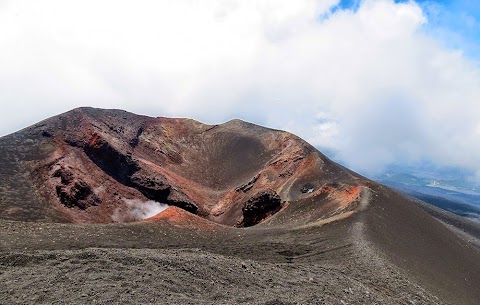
(319, 233)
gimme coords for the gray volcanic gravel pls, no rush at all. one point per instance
(251, 266)
(189, 276)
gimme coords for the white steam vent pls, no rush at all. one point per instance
(136, 209)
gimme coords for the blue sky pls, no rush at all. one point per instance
(454, 22)
(457, 23)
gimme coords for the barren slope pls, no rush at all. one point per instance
(317, 232)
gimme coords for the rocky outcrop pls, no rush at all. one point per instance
(125, 169)
(134, 142)
(119, 165)
(74, 192)
(247, 186)
(156, 187)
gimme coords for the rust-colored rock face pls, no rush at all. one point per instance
(91, 165)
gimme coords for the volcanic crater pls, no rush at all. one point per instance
(234, 174)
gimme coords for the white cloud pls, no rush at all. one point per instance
(369, 84)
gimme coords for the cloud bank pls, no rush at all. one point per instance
(371, 84)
